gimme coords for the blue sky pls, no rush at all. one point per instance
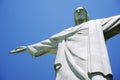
(24, 22)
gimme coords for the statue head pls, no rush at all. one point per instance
(80, 15)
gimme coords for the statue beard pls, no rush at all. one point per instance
(81, 19)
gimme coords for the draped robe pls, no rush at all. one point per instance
(80, 50)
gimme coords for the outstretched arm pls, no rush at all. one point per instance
(111, 26)
(38, 49)
(47, 46)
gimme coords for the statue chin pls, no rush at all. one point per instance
(80, 21)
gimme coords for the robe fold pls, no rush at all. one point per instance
(80, 50)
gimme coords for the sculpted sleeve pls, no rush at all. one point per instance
(111, 26)
(50, 45)
(40, 48)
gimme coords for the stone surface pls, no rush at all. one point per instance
(80, 50)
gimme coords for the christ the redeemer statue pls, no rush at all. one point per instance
(81, 52)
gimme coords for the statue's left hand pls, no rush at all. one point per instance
(19, 49)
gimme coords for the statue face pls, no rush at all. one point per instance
(80, 15)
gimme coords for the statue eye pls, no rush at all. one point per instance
(80, 9)
(76, 11)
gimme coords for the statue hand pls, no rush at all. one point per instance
(19, 49)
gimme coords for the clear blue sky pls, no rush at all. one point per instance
(24, 22)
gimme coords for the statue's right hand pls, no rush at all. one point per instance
(19, 49)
